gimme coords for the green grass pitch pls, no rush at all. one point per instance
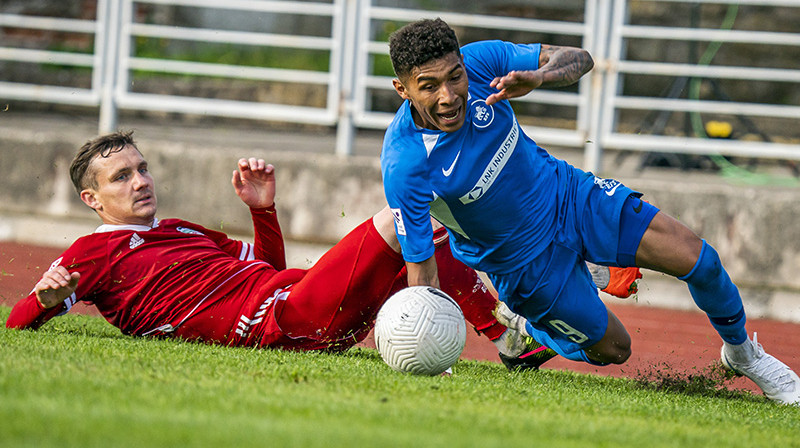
(79, 382)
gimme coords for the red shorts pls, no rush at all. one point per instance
(335, 303)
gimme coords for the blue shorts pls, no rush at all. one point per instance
(633, 221)
(555, 291)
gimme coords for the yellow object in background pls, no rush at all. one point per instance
(719, 129)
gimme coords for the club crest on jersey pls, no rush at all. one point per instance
(136, 241)
(189, 231)
(609, 186)
(484, 114)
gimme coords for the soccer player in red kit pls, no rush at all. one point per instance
(152, 277)
(169, 277)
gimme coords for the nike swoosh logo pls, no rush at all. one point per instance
(449, 171)
(638, 208)
(611, 191)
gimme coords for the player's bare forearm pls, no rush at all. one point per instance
(558, 67)
(424, 273)
(55, 286)
(563, 66)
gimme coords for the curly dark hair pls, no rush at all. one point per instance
(103, 146)
(420, 42)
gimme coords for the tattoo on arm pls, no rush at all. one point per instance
(563, 66)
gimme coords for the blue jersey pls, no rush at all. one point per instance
(496, 191)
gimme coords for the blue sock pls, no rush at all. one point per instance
(543, 338)
(714, 292)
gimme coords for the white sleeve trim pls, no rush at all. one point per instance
(248, 253)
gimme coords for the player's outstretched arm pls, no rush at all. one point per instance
(563, 66)
(558, 67)
(254, 182)
(55, 286)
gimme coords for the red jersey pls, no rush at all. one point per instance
(152, 280)
(181, 279)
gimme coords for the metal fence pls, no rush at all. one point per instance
(351, 37)
(130, 29)
(365, 81)
(57, 94)
(687, 75)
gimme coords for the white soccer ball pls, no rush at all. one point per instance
(420, 330)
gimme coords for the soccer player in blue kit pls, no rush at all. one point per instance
(455, 151)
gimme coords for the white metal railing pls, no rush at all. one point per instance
(327, 115)
(366, 81)
(350, 80)
(58, 94)
(617, 66)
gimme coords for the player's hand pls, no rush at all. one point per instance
(254, 182)
(514, 85)
(55, 286)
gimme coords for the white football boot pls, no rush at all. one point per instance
(775, 378)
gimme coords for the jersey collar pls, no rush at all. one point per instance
(135, 227)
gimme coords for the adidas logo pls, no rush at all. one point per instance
(136, 241)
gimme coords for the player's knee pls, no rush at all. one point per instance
(610, 352)
(620, 349)
(620, 354)
(615, 347)
(707, 268)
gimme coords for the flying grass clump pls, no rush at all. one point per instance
(712, 381)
